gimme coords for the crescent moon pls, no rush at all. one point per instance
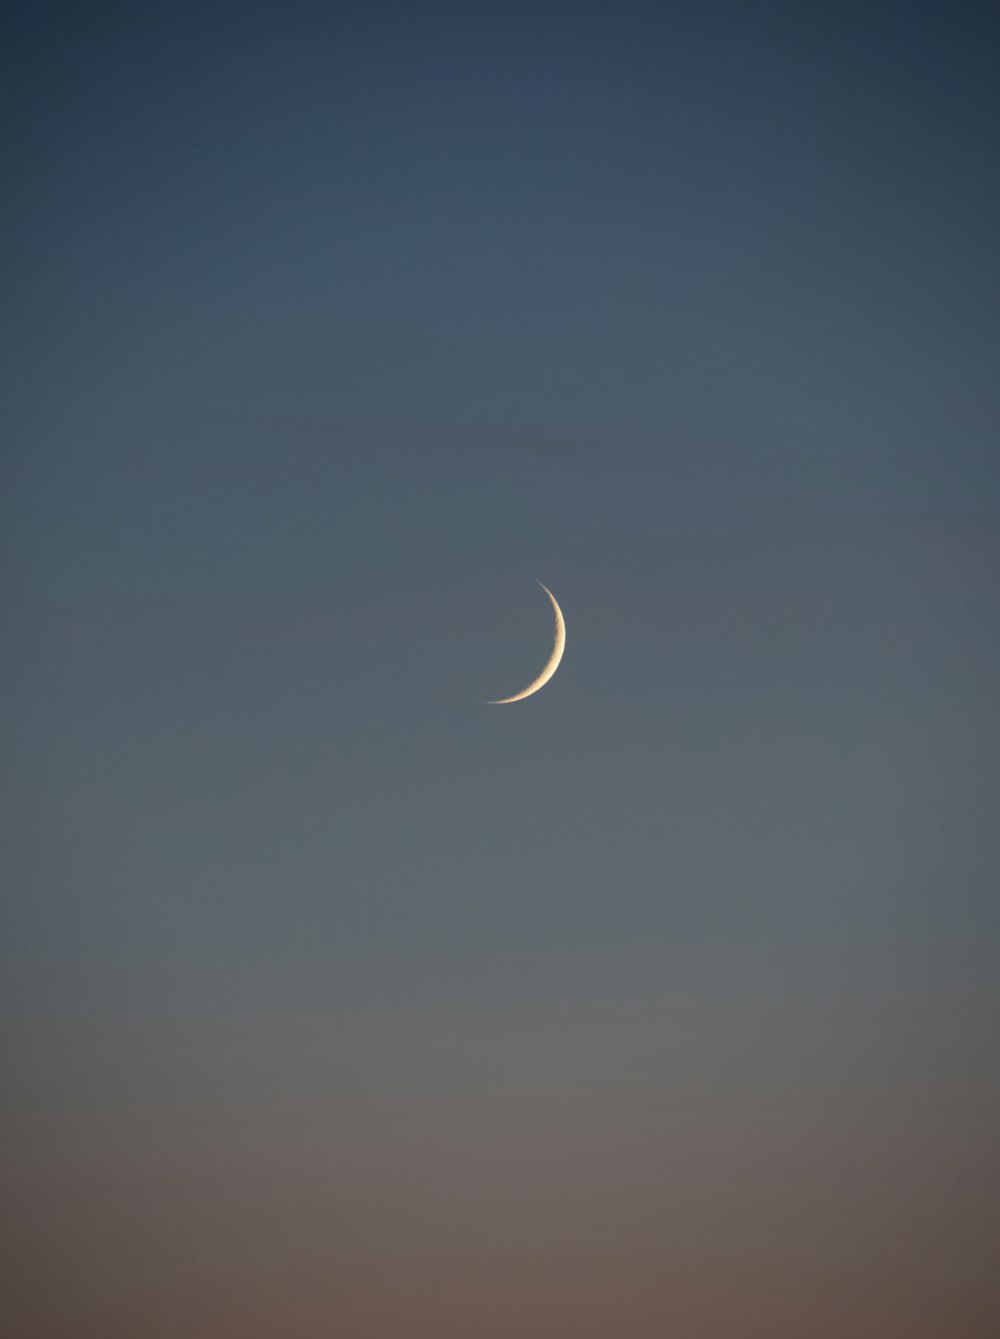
(558, 647)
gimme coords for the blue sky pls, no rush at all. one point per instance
(666, 999)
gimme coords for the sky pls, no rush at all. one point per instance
(336, 1002)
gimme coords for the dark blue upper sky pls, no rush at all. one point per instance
(325, 329)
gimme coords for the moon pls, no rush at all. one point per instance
(558, 647)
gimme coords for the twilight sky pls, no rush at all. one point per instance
(336, 1003)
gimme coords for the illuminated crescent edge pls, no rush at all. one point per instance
(558, 647)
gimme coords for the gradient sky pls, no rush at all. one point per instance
(664, 1003)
